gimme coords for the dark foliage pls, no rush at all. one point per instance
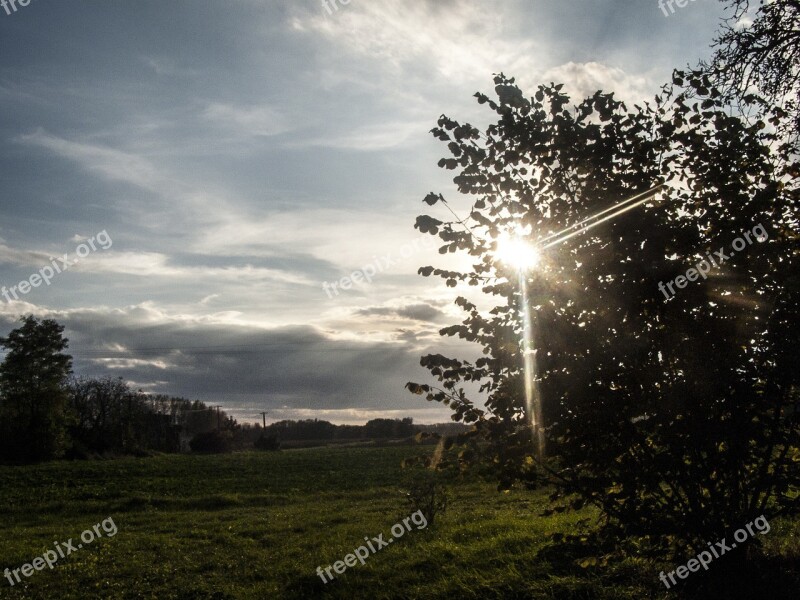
(212, 442)
(677, 418)
(34, 413)
(316, 430)
(267, 442)
(426, 494)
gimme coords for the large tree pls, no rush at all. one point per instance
(33, 397)
(675, 416)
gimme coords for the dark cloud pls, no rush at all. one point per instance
(415, 312)
(295, 367)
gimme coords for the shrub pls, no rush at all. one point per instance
(428, 496)
(212, 442)
(267, 442)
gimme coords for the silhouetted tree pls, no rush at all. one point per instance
(389, 428)
(674, 416)
(110, 416)
(33, 398)
(760, 51)
(212, 442)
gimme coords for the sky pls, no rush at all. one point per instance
(204, 168)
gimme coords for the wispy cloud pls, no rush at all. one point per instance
(167, 67)
(250, 120)
(379, 136)
(584, 79)
(109, 163)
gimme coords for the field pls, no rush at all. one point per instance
(257, 525)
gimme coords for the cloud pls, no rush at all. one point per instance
(178, 201)
(582, 80)
(458, 39)
(154, 265)
(23, 258)
(167, 67)
(409, 57)
(414, 312)
(295, 367)
(109, 163)
(250, 120)
(225, 228)
(380, 136)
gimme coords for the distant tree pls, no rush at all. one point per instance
(389, 428)
(760, 51)
(349, 432)
(212, 442)
(110, 416)
(306, 430)
(267, 442)
(197, 417)
(33, 397)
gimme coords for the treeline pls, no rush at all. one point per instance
(314, 432)
(108, 416)
(314, 429)
(46, 413)
(105, 417)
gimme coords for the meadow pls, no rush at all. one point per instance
(257, 525)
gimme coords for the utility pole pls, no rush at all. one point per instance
(264, 418)
(218, 417)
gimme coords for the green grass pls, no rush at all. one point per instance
(257, 525)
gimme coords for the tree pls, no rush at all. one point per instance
(212, 442)
(33, 398)
(389, 428)
(762, 55)
(110, 416)
(267, 442)
(674, 416)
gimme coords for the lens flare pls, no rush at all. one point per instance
(516, 252)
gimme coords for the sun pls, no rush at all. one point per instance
(515, 252)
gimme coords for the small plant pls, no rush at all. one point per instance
(429, 496)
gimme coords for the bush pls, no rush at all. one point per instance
(429, 497)
(212, 442)
(267, 442)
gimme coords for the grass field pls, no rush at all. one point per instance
(253, 525)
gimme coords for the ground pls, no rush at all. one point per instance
(257, 525)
